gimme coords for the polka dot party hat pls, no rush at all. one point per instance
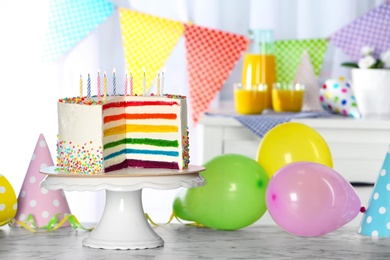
(336, 96)
(376, 219)
(39, 202)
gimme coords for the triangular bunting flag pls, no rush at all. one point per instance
(40, 203)
(288, 55)
(376, 219)
(371, 29)
(211, 55)
(70, 21)
(148, 41)
(305, 75)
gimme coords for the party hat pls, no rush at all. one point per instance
(305, 75)
(376, 219)
(37, 201)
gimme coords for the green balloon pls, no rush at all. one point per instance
(180, 206)
(233, 196)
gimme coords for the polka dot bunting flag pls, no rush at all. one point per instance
(211, 55)
(148, 42)
(372, 28)
(376, 218)
(289, 52)
(70, 21)
(39, 202)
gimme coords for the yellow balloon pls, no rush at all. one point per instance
(292, 142)
(8, 201)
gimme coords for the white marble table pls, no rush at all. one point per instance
(189, 242)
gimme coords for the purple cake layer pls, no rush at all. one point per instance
(142, 164)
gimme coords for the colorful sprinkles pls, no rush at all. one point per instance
(79, 158)
(186, 150)
(82, 101)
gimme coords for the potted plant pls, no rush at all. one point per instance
(371, 82)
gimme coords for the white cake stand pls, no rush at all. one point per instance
(123, 224)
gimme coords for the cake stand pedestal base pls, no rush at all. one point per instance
(123, 224)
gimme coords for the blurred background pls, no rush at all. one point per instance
(37, 84)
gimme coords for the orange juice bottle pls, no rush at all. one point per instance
(259, 66)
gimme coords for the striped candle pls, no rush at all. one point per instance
(89, 87)
(98, 84)
(131, 84)
(81, 86)
(105, 84)
(158, 84)
(114, 82)
(144, 83)
(125, 87)
(162, 83)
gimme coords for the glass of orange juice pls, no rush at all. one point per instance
(287, 97)
(250, 99)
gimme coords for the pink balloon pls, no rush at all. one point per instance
(310, 199)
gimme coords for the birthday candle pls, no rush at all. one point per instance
(98, 84)
(162, 83)
(158, 84)
(89, 87)
(131, 84)
(113, 83)
(81, 86)
(144, 82)
(125, 88)
(105, 84)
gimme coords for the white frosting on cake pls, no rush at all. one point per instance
(79, 145)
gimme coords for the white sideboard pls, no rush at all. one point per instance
(358, 146)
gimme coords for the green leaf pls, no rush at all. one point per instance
(378, 65)
(350, 64)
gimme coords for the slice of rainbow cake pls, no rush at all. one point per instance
(145, 132)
